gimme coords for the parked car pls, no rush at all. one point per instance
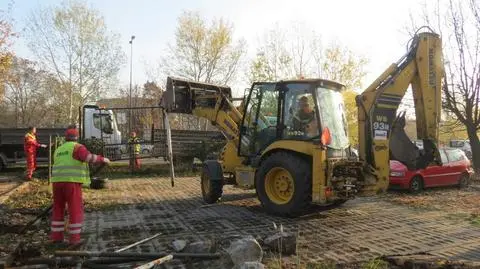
(455, 170)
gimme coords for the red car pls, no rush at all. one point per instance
(456, 170)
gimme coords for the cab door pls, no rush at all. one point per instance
(259, 123)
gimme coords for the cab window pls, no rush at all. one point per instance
(300, 115)
(103, 122)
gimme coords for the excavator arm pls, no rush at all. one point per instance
(381, 133)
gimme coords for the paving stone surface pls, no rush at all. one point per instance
(360, 230)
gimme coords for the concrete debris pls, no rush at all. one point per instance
(245, 250)
(200, 247)
(429, 262)
(179, 245)
(252, 265)
(282, 242)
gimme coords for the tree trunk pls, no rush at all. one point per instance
(475, 146)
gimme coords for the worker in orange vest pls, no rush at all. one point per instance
(30, 146)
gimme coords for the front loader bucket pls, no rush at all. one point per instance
(182, 96)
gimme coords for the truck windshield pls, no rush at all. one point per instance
(332, 115)
(103, 122)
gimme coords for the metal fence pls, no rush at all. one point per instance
(191, 137)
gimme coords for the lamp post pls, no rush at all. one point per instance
(130, 104)
(130, 89)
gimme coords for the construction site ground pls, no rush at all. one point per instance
(441, 222)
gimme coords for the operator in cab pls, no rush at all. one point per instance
(304, 118)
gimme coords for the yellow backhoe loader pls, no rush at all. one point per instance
(288, 139)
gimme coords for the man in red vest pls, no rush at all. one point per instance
(70, 171)
(30, 146)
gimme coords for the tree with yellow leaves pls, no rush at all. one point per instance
(6, 56)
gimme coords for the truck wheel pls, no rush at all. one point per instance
(211, 181)
(284, 184)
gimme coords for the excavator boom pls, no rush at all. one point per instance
(381, 133)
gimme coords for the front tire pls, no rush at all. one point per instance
(416, 184)
(284, 184)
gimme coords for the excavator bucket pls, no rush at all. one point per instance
(403, 150)
(182, 96)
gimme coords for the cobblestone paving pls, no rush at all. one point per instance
(359, 230)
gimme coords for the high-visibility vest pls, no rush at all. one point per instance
(136, 147)
(66, 168)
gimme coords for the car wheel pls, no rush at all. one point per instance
(145, 151)
(416, 184)
(464, 181)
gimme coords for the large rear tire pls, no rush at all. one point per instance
(284, 184)
(211, 181)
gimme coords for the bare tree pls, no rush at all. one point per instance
(27, 93)
(299, 52)
(73, 42)
(204, 53)
(458, 22)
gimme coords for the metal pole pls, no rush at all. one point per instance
(49, 158)
(138, 243)
(130, 104)
(130, 88)
(155, 262)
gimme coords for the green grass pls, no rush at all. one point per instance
(375, 264)
(322, 265)
(474, 219)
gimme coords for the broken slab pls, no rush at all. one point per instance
(283, 242)
(429, 262)
(252, 265)
(179, 245)
(200, 247)
(245, 250)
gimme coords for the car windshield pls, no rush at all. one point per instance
(332, 116)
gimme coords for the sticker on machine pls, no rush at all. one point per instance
(380, 135)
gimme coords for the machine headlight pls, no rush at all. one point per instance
(397, 174)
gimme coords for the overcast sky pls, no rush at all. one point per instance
(373, 28)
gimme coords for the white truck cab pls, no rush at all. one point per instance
(101, 123)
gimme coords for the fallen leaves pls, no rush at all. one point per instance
(448, 200)
(36, 196)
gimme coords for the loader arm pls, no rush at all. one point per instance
(381, 134)
(204, 100)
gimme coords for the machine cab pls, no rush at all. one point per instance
(293, 110)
